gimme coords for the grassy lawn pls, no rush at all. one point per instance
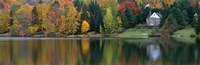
(184, 35)
(184, 32)
(135, 33)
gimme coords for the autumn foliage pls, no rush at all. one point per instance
(122, 7)
(4, 24)
(67, 17)
(33, 29)
(73, 19)
(85, 26)
(169, 2)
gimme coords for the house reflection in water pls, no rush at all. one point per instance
(153, 52)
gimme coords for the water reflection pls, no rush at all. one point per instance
(98, 51)
(153, 51)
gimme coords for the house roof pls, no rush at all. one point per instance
(154, 15)
(195, 14)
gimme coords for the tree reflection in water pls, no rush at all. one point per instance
(98, 51)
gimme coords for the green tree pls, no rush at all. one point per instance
(34, 15)
(166, 12)
(195, 19)
(78, 4)
(96, 17)
(179, 18)
(170, 25)
(191, 11)
(131, 19)
(109, 22)
(123, 18)
(197, 26)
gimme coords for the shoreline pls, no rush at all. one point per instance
(100, 36)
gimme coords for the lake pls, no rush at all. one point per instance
(98, 51)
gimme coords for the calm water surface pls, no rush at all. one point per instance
(98, 51)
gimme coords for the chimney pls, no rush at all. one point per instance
(149, 13)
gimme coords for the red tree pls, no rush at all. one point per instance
(133, 8)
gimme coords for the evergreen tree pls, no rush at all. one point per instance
(140, 18)
(84, 16)
(191, 11)
(91, 10)
(181, 3)
(197, 25)
(179, 18)
(131, 19)
(145, 14)
(177, 14)
(78, 4)
(166, 12)
(109, 22)
(96, 17)
(34, 16)
(170, 25)
(123, 18)
(195, 19)
(99, 21)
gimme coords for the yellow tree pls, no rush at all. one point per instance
(108, 3)
(42, 10)
(119, 20)
(4, 21)
(194, 2)
(73, 18)
(145, 1)
(86, 2)
(156, 3)
(153, 3)
(62, 27)
(139, 1)
(85, 26)
(168, 2)
(49, 27)
(104, 3)
(109, 22)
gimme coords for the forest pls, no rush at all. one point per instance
(66, 17)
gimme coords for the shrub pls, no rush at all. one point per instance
(85, 26)
(33, 29)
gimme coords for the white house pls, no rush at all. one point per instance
(153, 19)
(195, 15)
